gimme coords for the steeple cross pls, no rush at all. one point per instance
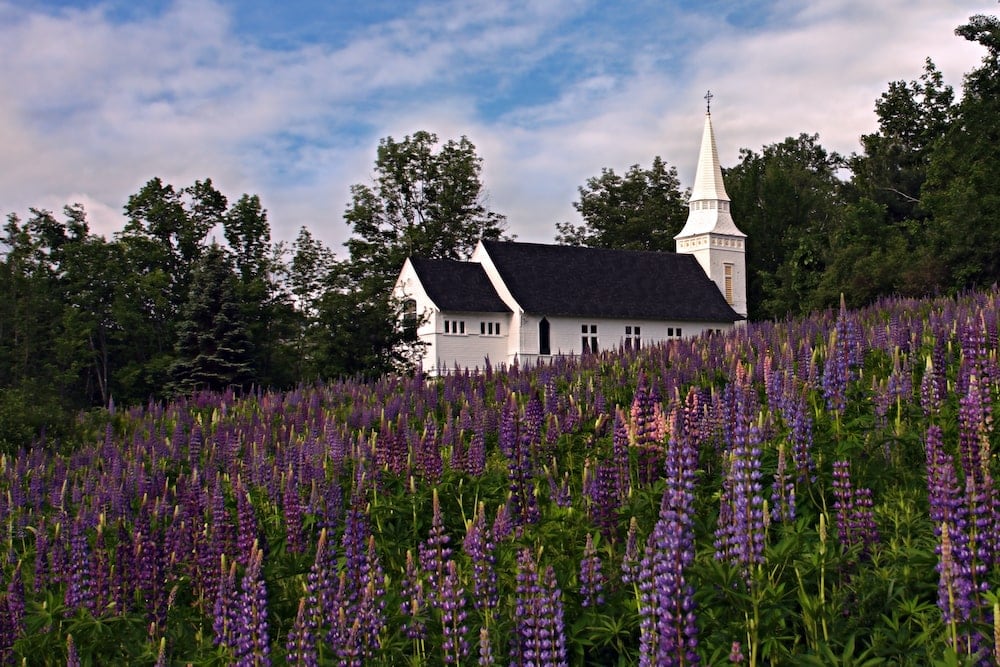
(708, 101)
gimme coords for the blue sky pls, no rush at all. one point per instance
(289, 100)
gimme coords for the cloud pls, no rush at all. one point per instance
(550, 92)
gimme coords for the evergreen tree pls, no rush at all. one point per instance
(212, 350)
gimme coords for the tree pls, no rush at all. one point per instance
(787, 201)
(962, 191)
(212, 350)
(643, 210)
(267, 311)
(423, 203)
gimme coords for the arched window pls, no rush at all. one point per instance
(544, 347)
(410, 319)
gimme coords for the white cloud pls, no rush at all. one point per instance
(100, 106)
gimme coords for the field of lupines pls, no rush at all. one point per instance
(813, 492)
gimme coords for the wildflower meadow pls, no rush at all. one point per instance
(817, 491)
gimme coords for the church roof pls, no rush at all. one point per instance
(573, 281)
(458, 286)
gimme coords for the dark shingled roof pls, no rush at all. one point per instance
(574, 281)
(458, 286)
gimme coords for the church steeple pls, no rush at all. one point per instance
(710, 234)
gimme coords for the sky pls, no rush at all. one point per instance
(288, 100)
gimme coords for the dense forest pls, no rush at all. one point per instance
(165, 306)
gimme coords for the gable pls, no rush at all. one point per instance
(575, 281)
(458, 286)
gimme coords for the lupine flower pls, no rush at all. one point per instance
(485, 649)
(740, 531)
(855, 521)
(668, 633)
(782, 490)
(434, 551)
(736, 653)
(72, 657)
(539, 636)
(250, 632)
(301, 642)
(591, 578)
(630, 561)
(454, 644)
(479, 546)
(79, 591)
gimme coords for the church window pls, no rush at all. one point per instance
(588, 338)
(410, 319)
(728, 279)
(632, 337)
(543, 337)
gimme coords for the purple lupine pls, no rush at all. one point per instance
(840, 356)
(957, 596)
(740, 531)
(604, 497)
(480, 547)
(668, 632)
(974, 417)
(855, 520)
(224, 608)
(620, 453)
(434, 551)
(301, 643)
(782, 491)
(592, 579)
(454, 644)
(539, 635)
(72, 657)
(371, 609)
(630, 560)
(413, 596)
(485, 648)
(251, 635)
(292, 510)
(11, 615)
(248, 531)
(79, 590)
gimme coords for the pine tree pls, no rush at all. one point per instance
(212, 345)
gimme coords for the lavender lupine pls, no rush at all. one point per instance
(739, 536)
(434, 551)
(539, 633)
(79, 591)
(592, 579)
(454, 644)
(668, 631)
(485, 648)
(480, 547)
(224, 608)
(855, 521)
(413, 601)
(957, 595)
(251, 634)
(301, 642)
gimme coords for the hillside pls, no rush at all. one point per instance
(816, 491)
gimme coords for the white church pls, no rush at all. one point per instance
(527, 302)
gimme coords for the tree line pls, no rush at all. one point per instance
(164, 307)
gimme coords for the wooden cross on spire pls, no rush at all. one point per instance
(708, 102)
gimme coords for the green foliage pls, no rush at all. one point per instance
(642, 210)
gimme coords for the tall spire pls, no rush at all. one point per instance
(709, 202)
(710, 233)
